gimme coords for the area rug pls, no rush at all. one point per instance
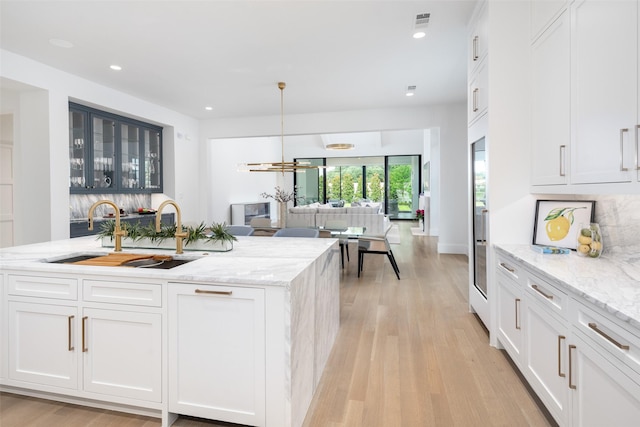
(417, 231)
(393, 236)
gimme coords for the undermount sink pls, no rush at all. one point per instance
(162, 262)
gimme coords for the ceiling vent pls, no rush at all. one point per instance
(420, 25)
(422, 20)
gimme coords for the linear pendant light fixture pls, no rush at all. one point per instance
(281, 166)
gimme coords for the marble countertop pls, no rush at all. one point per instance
(263, 261)
(613, 284)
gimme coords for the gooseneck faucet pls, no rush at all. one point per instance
(118, 233)
(179, 233)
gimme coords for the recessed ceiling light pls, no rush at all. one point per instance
(410, 90)
(61, 43)
(419, 34)
(340, 146)
(409, 94)
(208, 108)
(115, 67)
(420, 25)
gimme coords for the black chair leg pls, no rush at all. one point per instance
(342, 254)
(392, 260)
(346, 245)
(360, 262)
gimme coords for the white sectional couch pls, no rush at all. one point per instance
(355, 216)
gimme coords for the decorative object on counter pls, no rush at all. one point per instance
(589, 240)
(282, 197)
(118, 233)
(556, 221)
(550, 250)
(200, 238)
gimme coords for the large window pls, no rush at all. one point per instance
(393, 181)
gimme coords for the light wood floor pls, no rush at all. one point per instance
(408, 354)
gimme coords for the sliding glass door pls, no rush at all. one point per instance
(393, 181)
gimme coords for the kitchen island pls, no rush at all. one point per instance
(240, 336)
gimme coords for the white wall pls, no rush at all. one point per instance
(450, 119)
(182, 154)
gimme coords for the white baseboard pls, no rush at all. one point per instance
(453, 249)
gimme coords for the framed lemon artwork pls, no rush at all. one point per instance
(557, 221)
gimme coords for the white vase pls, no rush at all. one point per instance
(282, 214)
(421, 224)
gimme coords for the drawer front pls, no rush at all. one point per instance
(608, 334)
(548, 295)
(145, 294)
(44, 287)
(511, 269)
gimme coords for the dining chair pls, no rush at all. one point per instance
(240, 230)
(376, 245)
(339, 225)
(297, 232)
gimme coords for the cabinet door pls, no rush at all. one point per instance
(41, 345)
(551, 100)
(509, 300)
(546, 361)
(603, 394)
(152, 167)
(605, 90)
(104, 154)
(217, 353)
(122, 353)
(131, 172)
(79, 150)
(477, 98)
(478, 39)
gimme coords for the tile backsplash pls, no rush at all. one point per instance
(79, 204)
(619, 219)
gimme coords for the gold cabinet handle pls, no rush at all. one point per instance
(544, 294)
(204, 291)
(475, 100)
(475, 48)
(560, 338)
(84, 346)
(517, 313)
(635, 159)
(622, 132)
(571, 384)
(506, 267)
(563, 149)
(607, 337)
(69, 326)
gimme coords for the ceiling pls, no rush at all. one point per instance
(185, 55)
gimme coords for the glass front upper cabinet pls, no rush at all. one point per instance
(113, 154)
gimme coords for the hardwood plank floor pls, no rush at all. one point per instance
(408, 354)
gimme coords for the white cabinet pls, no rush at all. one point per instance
(551, 97)
(122, 353)
(604, 394)
(582, 362)
(547, 335)
(477, 98)
(604, 80)
(83, 347)
(217, 353)
(478, 48)
(509, 308)
(42, 344)
(542, 13)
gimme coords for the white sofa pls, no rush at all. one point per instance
(356, 216)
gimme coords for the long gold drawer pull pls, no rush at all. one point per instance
(517, 313)
(84, 347)
(506, 267)
(560, 373)
(608, 338)
(571, 384)
(536, 288)
(562, 151)
(69, 326)
(622, 132)
(203, 291)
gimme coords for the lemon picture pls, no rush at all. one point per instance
(558, 222)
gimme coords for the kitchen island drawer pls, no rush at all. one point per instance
(548, 295)
(145, 294)
(43, 287)
(608, 333)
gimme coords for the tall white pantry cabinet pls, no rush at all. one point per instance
(585, 115)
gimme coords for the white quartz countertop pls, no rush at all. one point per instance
(612, 284)
(254, 260)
